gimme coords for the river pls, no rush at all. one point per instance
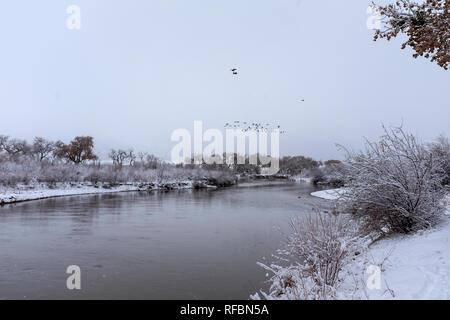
(137, 245)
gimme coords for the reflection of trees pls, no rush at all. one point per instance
(78, 214)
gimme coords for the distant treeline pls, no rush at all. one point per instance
(81, 150)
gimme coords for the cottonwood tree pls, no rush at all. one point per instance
(77, 151)
(42, 147)
(425, 24)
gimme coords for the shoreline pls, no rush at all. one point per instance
(43, 191)
(405, 274)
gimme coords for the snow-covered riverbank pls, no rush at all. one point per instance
(415, 266)
(43, 191)
(330, 194)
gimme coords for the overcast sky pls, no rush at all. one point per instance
(137, 70)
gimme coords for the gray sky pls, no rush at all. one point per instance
(139, 69)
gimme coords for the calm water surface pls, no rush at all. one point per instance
(139, 245)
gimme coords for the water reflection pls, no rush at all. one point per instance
(159, 245)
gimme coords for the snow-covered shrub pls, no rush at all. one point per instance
(441, 150)
(13, 173)
(317, 249)
(49, 163)
(395, 184)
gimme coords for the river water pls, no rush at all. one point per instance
(138, 245)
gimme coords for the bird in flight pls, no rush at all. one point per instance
(234, 70)
(303, 100)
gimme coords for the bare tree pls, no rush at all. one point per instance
(131, 156)
(42, 148)
(15, 147)
(162, 173)
(151, 161)
(118, 156)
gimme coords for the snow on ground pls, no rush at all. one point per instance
(413, 266)
(39, 191)
(330, 194)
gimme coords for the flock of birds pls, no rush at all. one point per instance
(254, 126)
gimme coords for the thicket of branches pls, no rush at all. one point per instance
(317, 249)
(397, 183)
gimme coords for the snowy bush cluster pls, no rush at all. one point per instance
(396, 184)
(31, 172)
(317, 249)
(49, 163)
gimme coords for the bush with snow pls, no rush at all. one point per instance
(31, 171)
(317, 249)
(395, 185)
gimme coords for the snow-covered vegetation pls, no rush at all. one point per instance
(398, 185)
(316, 251)
(395, 184)
(45, 169)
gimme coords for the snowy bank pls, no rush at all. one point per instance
(330, 194)
(413, 267)
(42, 191)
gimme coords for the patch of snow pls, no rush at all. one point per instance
(413, 267)
(330, 194)
(41, 191)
